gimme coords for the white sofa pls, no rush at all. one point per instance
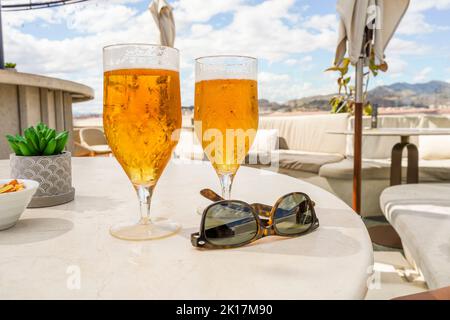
(306, 151)
(420, 213)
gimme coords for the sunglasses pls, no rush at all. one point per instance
(234, 223)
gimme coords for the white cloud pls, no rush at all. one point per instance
(423, 74)
(322, 22)
(104, 18)
(414, 21)
(282, 87)
(400, 47)
(303, 60)
(421, 5)
(79, 57)
(258, 30)
(274, 31)
(194, 11)
(268, 77)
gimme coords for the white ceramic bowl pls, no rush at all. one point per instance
(13, 204)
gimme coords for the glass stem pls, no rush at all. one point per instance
(145, 198)
(226, 181)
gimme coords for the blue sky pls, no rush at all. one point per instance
(293, 39)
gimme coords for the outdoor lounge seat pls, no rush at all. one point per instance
(305, 161)
(420, 213)
(94, 140)
(78, 149)
(332, 168)
(429, 170)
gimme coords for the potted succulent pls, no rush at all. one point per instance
(10, 66)
(39, 155)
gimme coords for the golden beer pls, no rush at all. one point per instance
(226, 115)
(141, 117)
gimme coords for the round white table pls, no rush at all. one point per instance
(66, 252)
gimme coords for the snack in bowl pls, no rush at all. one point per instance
(11, 186)
(15, 195)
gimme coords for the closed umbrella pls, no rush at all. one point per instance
(162, 14)
(365, 25)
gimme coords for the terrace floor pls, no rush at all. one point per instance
(394, 275)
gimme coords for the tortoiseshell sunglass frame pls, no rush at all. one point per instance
(264, 217)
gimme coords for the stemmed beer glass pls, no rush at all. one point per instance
(142, 118)
(226, 112)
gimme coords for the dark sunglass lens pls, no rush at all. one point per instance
(230, 223)
(293, 215)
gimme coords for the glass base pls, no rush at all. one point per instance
(156, 229)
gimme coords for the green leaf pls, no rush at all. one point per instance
(61, 142)
(32, 138)
(61, 134)
(345, 62)
(50, 148)
(33, 150)
(42, 144)
(24, 149)
(51, 134)
(40, 126)
(14, 148)
(335, 68)
(11, 138)
(19, 138)
(368, 109)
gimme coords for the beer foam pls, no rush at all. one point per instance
(224, 76)
(241, 68)
(140, 57)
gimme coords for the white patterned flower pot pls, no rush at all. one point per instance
(54, 174)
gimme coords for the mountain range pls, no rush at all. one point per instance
(433, 94)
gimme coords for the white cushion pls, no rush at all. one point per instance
(420, 213)
(266, 141)
(309, 133)
(100, 148)
(304, 161)
(434, 147)
(380, 169)
(371, 169)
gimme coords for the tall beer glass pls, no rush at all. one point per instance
(226, 112)
(142, 118)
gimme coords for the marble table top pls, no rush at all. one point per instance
(398, 132)
(66, 252)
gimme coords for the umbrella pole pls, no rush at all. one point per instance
(358, 135)
(2, 58)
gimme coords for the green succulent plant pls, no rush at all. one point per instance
(11, 65)
(39, 141)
